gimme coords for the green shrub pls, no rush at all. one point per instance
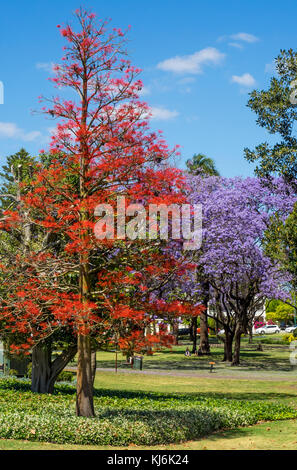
(12, 373)
(269, 339)
(287, 338)
(124, 417)
(29, 370)
(66, 376)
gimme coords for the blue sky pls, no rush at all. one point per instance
(200, 59)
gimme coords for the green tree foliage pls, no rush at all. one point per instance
(18, 169)
(283, 313)
(271, 305)
(277, 112)
(281, 243)
(15, 180)
(201, 164)
(278, 115)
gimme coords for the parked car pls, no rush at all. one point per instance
(267, 330)
(290, 329)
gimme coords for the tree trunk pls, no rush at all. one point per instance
(175, 332)
(41, 359)
(59, 364)
(93, 365)
(84, 391)
(44, 371)
(193, 334)
(237, 338)
(204, 342)
(250, 330)
(228, 347)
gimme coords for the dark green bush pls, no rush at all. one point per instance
(29, 370)
(66, 376)
(12, 373)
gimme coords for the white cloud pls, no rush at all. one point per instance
(235, 44)
(162, 114)
(10, 130)
(46, 66)
(246, 37)
(237, 39)
(28, 137)
(245, 80)
(192, 63)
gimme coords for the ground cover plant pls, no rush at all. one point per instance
(277, 435)
(125, 417)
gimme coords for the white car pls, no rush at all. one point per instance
(290, 329)
(267, 330)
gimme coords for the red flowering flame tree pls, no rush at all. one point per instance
(102, 148)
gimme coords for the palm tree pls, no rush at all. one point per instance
(204, 166)
(201, 164)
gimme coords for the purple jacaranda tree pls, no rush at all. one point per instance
(232, 262)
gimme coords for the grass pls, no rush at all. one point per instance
(263, 377)
(272, 435)
(284, 391)
(124, 416)
(274, 359)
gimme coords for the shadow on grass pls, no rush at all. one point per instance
(175, 360)
(270, 360)
(248, 362)
(261, 396)
(64, 389)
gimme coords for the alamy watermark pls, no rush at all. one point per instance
(1, 93)
(175, 222)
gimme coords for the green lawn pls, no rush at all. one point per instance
(243, 389)
(132, 413)
(262, 376)
(268, 435)
(274, 359)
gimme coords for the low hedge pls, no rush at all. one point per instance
(124, 417)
